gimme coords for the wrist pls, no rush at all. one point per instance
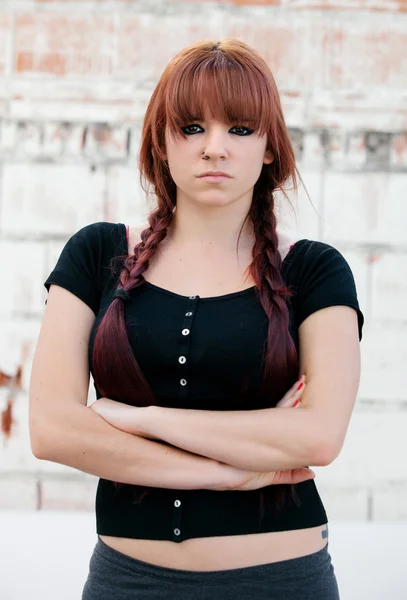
(146, 417)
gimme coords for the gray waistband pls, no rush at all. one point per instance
(302, 566)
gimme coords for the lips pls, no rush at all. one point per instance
(215, 174)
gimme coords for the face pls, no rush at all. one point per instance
(232, 148)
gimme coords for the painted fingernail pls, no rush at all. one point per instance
(300, 386)
(296, 403)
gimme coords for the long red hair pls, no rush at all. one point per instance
(232, 81)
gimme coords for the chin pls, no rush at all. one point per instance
(216, 200)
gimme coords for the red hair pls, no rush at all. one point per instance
(233, 82)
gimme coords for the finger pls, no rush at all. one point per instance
(292, 476)
(291, 397)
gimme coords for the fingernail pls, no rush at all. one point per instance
(296, 403)
(300, 386)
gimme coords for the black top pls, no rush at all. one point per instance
(191, 351)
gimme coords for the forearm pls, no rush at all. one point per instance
(260, 440)
(81, 439)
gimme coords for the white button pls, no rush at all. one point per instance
(192, 297)
(177, 532)
(185, 332)
(182, 360)
(188, 314)
(183, 382)
(177, 503)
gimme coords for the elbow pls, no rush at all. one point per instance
(42, 432)
(38, 441)
(325, 452)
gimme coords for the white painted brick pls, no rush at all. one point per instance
(389, 286)
(54, 249)
(398, 151)
(8, 136)
(337, 149)
(18, 338)
(16, 455)
(135, 140)
(343, 504)
(22, 267)
(53, 143)
(30, 140)
(390, 504)
(303, 218)
(373, 453)
(68, 494)
(314, 150)
(50, 198)
(358, 262)
(384, 359)
(104, 142)
(356, 155)
(18, 493)
(368, 207)
(126, 200)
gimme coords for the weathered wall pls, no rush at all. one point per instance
(75, 79)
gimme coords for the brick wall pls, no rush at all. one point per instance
(75, 79)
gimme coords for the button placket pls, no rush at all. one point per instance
(185, 336)
(177, 518)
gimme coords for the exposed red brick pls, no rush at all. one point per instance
(346, 5)
(5, 33)
(14, 383)
(369, 53)
(64, 44)
(24, 61)
(7, 418)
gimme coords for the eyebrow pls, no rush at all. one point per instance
(233, 119)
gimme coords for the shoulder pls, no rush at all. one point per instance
(98, 231)
(307, 255)
(99, 241)
(321, 277)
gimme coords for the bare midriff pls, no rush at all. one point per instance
(220, 553)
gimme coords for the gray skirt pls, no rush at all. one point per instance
(113, 575)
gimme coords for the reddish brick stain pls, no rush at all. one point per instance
(14, 383)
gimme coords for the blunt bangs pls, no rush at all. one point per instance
(222, 88)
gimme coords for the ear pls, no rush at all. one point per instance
(268, 158)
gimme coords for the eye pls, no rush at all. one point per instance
(184, 129)
(248, 131)
(241, 127)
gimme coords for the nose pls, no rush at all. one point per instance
(216, 143)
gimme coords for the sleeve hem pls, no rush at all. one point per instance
(344, 300)
(61, 279)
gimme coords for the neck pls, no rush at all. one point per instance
(210, 228)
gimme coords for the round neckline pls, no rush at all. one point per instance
(162, 290)
(158, 288)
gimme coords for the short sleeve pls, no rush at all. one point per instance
(78, 266)
(325, 279)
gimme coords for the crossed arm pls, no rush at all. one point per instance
(269, 439)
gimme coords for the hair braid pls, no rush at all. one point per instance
(128, 376)
(281, 355)
(280, 352)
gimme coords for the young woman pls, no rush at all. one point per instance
(196, 331)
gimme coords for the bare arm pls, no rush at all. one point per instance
(272, 439)
(65, 431)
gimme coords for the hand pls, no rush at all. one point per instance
(292, 398)
(122, 416)
(251, 480)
